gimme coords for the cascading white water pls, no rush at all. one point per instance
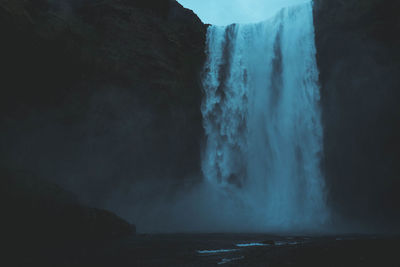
(262, 119)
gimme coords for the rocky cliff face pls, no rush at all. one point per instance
(97, 94)
(359, 61)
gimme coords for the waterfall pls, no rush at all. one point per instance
(262, 119)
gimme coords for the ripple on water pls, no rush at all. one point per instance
(216, 251)
(252, 245)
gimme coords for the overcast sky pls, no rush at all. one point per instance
(224, 12)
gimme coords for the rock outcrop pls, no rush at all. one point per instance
(41, 221)
(359, 61)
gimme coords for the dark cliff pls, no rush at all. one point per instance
(99, 94)
(359, 60)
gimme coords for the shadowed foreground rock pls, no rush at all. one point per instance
(39, 218)
(33, 207)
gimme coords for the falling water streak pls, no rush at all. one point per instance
(262, 120)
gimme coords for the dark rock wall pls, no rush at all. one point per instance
(98, 94)
(359, 60)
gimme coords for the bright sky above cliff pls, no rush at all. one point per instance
(224, 12)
